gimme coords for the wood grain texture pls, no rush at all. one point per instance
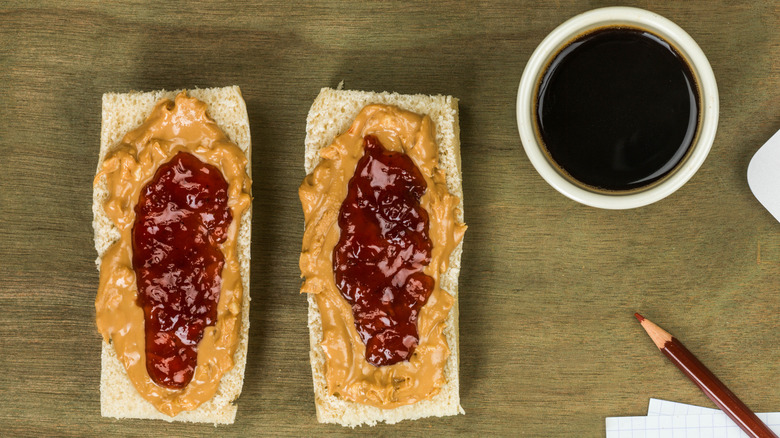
(548, 286)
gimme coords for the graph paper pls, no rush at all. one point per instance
(666, 419)
(666, 407)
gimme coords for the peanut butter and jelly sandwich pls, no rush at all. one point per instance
(381, 252)
(172, 216)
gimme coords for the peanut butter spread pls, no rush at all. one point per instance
(347, 372)
(171, 128)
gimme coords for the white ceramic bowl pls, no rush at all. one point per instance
(570, 30)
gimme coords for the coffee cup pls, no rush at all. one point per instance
(613, 167)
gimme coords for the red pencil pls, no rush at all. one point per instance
(704, 379)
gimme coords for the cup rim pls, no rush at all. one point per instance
(606, 17)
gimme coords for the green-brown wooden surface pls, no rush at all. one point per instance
(548, 286)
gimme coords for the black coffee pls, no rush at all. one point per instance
(618, 109)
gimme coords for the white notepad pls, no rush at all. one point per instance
(667, 419)
(666, 407)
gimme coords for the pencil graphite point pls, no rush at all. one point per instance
(639, 317)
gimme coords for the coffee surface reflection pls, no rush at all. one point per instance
(617, 109)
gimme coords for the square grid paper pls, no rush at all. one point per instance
(667, 419)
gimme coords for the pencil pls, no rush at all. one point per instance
(706, 381)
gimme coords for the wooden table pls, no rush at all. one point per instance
(548, 342)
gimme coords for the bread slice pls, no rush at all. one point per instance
(332, 113)
(123, 112)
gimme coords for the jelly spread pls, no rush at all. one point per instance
(382, 251)
(348, 373)
(180, 220)
(174, 133)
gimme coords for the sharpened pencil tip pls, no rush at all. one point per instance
(639, 317)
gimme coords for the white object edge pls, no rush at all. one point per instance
(763, 175)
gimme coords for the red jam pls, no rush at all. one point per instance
(182, 217)
(383, 249)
